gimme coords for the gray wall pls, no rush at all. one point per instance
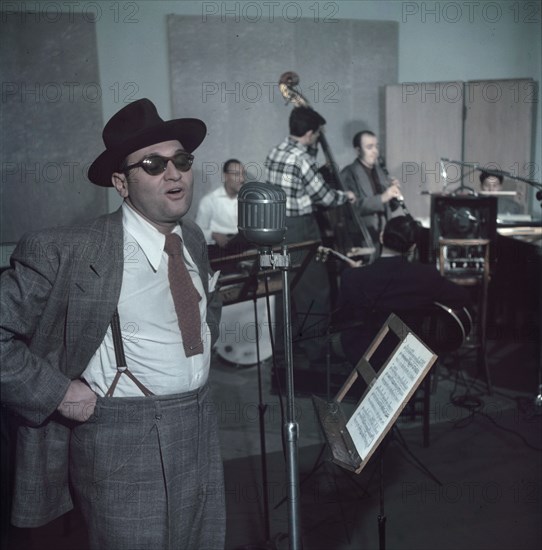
(51, 124)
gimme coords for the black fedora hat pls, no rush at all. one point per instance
(136, 126)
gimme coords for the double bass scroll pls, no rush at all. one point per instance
(287, 83)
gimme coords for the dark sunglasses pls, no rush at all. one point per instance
(156, 164)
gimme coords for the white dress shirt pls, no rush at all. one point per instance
(149, 326)
(217, 213)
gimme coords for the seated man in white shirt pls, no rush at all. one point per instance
(217, 216)
(217, 213)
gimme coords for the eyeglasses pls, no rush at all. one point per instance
(156, 164)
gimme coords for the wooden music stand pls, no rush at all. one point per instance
(353, 440)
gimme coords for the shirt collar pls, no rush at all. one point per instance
(149, 239)
(296, 143)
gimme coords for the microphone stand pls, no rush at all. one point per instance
(262, 408)
(262, 213)
(268, 259)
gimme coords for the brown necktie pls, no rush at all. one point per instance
(185, 296)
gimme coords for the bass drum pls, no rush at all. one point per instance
(237, 341)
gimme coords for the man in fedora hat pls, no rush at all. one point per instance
(106, 342)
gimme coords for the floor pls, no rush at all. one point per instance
(477, 485)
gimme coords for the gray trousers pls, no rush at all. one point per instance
(147, 473)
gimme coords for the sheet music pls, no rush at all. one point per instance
(388, 395)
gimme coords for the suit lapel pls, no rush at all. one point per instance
(95, 288)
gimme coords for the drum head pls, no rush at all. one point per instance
(239, 336)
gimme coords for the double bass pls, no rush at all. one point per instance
(339, 233)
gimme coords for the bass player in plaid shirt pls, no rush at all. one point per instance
(292, 165)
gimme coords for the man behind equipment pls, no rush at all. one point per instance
(217, 212)
(366, 179)
(490, 184)
(392, 283)
(292, 165)
(116, 407)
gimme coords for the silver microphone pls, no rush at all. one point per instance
(262, 213)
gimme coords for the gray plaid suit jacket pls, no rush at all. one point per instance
(56, 303)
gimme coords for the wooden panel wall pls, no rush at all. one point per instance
(423, 125)
(498, 128)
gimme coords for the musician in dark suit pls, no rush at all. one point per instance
(143, 461)
(367, 180)
(393, 283)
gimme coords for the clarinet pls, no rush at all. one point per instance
(396, 202)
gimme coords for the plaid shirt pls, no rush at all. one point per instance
(293, 166)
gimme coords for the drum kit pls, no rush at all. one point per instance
(248, 312)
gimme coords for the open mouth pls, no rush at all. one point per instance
(174, 191)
